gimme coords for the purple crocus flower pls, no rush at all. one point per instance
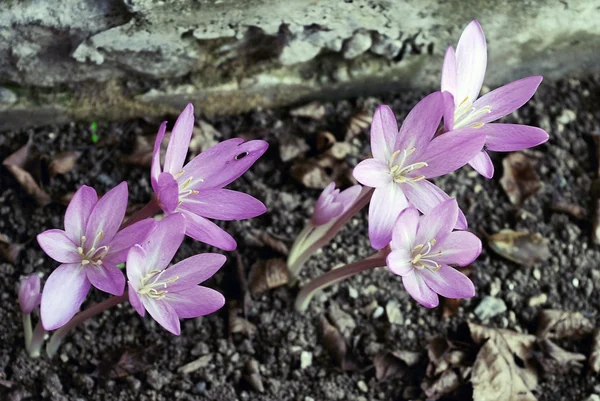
(462, 78)
(422, 247)
(29, 293)
(332, 203)
(90, 248)
(196, 189)
(173, 293)
(403, 161)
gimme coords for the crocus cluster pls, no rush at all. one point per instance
(96, 240)
(411, 220)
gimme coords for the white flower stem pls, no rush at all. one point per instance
(27, 330)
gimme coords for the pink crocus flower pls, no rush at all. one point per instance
(171, 293)
(422, 249)
(332, 203)
(462, 78)
(196, 189)
(29, 293)
(404, 160)
(90, 248)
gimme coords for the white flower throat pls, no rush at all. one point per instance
(399, 171)
(422, 256)
(184, 187)
(153, 286)
(465, 115)
(94, 254)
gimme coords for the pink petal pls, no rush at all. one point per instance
(449, 72)
(155, 169)
(438, 222)
(448, 111)
(483, 164)
(206, 231)
(58, 246)
(180, 141)
(162, 243)
(29, 293)
(135, 301)
(420, 125)
(107, 277)
(323, 214)
(508, 98)
(425, 196)
(471, 63)
(126, 238)
(450, 151)
(137, 266)
(448, 282)
(168, 192)
(372, 173)
(63, 294)
(384, 130)
(107, 215)
(192, 271)
(223, 204)
(405, 229)
(79, 211)
(459, 248)
(416, 287)
(348, 196)
(512, 137)
(195, 301)
(399, 262)
(386, 204)
(163, 313)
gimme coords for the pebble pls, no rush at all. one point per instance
(392, 309)
(352, 293)
(567, 116)
(593, 397)
(575, 282)
(362, 386)
(305, 359)
(371, 289)
(495, 287)
(537, 274)
(490, 307)
(378, 312)
(539, 299)
(308, 398)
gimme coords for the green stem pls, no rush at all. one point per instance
(60, 334)
(149, 210)
(35, 348)
(27, 330)
(336, 275)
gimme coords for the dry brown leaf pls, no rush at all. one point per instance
(317, 173)
(259, 238)
(520, 247)
(563, 206)
(314, 110)
(520, 181)
(555, 360)
(446, 383)
(334, 343)
(388, 366)
(339, 150)
(443, 355)
(9, 252)
(291, 147)
(325, 140)
(16, 164)
(357, 123)
(342, 320)
(410, 358)
(131, 361)
(204, 136)
(267, 274)
(450, 306)
(237, 324)
(142, 150)
(63, 162)
(594, 360)
(557, 324)
(252, 376)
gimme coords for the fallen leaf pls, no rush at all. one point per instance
(317, 173)
(563, 206)
(130, 362)
(357, 123)
(143, 148)
(558, 324)
(443, 355)
(446, 383)
(267, 274)
(204, 136)
(63, 162)
(260, 238)
(339, 150)
(325, 140)
(342, 320)
(9, 252)
(16, 163)
(334, 343)
(388, 366)
(314, 110)
(238, 297)
(199, 363)
(520, 181)
(450, 306)
(555, 360)
(291, 147)
(594, 360)
(237, 324)
(520, 247)
(252, 376)
(410, 358)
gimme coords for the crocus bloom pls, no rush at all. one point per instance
(332, 203)
(29, 293)
(173, 293)
(90, 248)
(462, 78)
(402, 162)
(196, 189)
(422, 247)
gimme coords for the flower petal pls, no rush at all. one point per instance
(29, 293)
(163, 313)
(449, 72)
(372, 173)
(79, 211)
(384, 130)
(448, 111)
(459, 248)
(180, 140)
(128, 237)
(192, 271)
(508, 98)
(449, 282)
(450, 151)
(483, 164)
(420, 125)
(206, 231)
(107, 277)
(399, 262)
(348, 196)
(164, 241)
(58, 245)
(135, 301)
(386, 204)
(425, 196)
(416, 287)
(512, 137)
(223, 204)
(63, 295)
(471, 63)
(137, 267)
(155, 169)
(107, 215)
(168, 192)
(326, 212)
(195, 301)
(405, 229)
(438, 222)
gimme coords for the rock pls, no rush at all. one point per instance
(490, 307)
(7, 96)
(392, 309)
(537, 300)
(357, 44)
(362, 386)
(305, 359)
(567, 116)
(593, 397)
(378, 312)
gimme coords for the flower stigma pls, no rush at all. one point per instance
(421, 257)
(398, 171)
(156, 289)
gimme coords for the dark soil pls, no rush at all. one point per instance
(86, 367)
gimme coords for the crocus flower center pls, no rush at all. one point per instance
(422, 258)
(94, 254)
(184, 187)
(400, 170)
(154, 286)
(466, 115)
